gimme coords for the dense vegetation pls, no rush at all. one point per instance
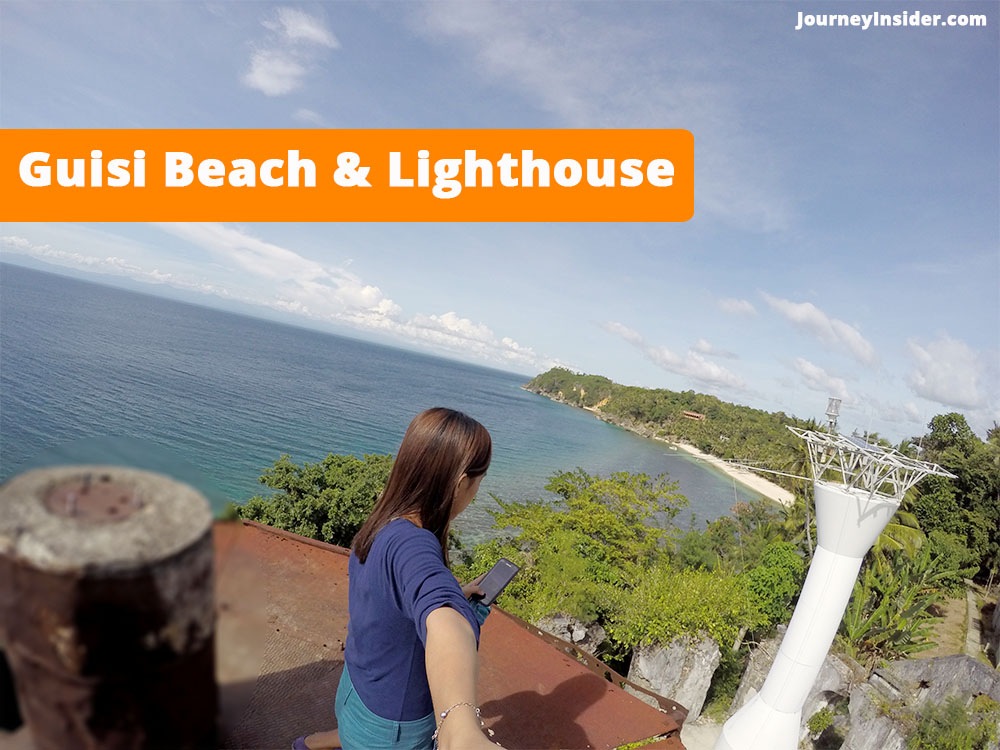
(964, 511)
(953, 726)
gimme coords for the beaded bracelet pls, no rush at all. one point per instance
(444, 715)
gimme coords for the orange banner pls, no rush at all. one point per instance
(346, 175)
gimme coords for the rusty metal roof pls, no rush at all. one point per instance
(282, 602)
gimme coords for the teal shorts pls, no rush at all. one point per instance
(360, 729)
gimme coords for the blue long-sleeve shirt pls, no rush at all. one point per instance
(403, 579)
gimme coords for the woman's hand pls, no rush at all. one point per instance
(472, 587)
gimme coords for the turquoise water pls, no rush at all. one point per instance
(95, 373)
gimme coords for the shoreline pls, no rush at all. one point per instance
(747, 478)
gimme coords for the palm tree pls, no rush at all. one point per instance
(797, 463)
(908, 448)
(796, 522)
(903, 532)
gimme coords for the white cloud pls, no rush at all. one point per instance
(695, 366)
(281, 64)
(737, 306)
(21, 245)
(818, 379)
(633, 337)
(250, 253)
(308, 116)
(452, 325)
(691, 364)
(334, 294)
(451, 332)
(593, 72)
(703, 347)
(111, 265)
(274, 72)
(321, 291)
(894, 413)
(948, 372)
(807, 317)
(298, 26)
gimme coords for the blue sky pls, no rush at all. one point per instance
(846, 237)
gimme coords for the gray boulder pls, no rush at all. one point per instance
(885, 710)
(758, 665)
(871, 728)
(932, 681)
(585, 637)
(996, 633)
(681, 670)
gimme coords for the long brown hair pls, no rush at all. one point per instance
(439, 446)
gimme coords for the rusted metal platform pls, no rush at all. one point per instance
(282, 602)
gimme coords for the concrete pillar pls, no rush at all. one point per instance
(847, 523)
(106, 608)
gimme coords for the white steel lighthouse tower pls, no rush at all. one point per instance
(858, 487)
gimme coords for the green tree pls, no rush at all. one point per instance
(733, 543)
(956, 560)
(620, 521)
(597, 536)
(797, 462)
(758, 525)
(694, 550)
(975, 490)
(798, 525)
(328, 501)
(936, 507)
(728, 430)
(775, 581)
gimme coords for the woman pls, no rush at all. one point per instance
(410, 661)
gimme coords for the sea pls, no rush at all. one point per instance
(91, 373)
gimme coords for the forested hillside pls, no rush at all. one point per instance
(964, 512)
(728, 430)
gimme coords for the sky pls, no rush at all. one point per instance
(846, 232)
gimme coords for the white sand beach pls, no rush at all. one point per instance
(745, 477)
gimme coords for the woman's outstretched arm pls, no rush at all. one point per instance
(452, 671)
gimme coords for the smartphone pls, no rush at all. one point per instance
(496, 581)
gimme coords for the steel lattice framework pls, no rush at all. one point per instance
(870, 468)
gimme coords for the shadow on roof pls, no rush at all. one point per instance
(282, 606)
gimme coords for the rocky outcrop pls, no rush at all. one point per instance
(645, 429)
(871, 727)
(758, 665)
(886, 709)
(925, 681)
(681, 670)
(996, 633)
(585, 637)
